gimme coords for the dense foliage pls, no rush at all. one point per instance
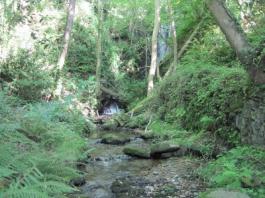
(41, 138)
(202, 97)
(39, 146)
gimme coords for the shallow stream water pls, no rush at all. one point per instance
(109, 173)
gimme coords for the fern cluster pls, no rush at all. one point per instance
(242, 168)
(38, 147)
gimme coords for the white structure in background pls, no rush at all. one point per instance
(111, 109)
(163, 48)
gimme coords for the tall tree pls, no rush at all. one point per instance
(153, 66)
(66, 40)
(99, 47)
(237, 39)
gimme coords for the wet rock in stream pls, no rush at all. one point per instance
(77, 182)
(139, 152)
(115, 139)
(163, 150)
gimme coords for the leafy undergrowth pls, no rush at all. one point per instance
(202, 97)
(39, 144)
(242, 168)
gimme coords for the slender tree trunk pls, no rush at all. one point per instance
(146, 56)
(66, 40)
(154, 48)
(189, 40)
(158, 75)
(235, 36)
(174, 36)
(99, 48)
(185, 46)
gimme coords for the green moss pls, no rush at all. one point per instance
(111, 138)
(137, 152)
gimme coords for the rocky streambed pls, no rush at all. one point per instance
(110, 173)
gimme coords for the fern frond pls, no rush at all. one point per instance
(23, 193)
(53, 187)
(6, 172)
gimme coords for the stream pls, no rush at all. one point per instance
(109, 173)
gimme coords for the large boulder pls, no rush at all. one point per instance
(137, 152)
(115, 139)
(251, 121)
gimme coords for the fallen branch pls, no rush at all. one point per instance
(110, 92)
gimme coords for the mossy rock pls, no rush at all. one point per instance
(147, 136)
(221, 193)
(115, 139)
(137, 152)
(163, 147)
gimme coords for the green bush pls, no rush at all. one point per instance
(202, 96)
(27, 79)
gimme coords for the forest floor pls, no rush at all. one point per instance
(111, 173)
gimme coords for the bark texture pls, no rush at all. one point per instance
(99, 48)
(153, 66)
(237, 39)
(251, 120)
(174, 36)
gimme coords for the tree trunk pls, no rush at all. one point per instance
(185, 46)
(146, 56)
(99, 48)
(158, 72)
(235, 36)
(66, 40)
(154, 48)
(174, 36)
